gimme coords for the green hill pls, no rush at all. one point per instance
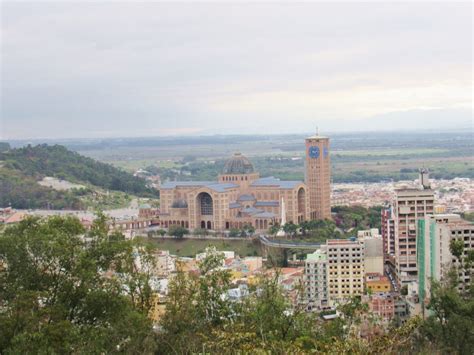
(21, 168)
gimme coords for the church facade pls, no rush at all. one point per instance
(241, 197)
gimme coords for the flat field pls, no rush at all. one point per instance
(190, 247)
(355, 157)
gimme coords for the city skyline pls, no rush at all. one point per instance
(85, 71)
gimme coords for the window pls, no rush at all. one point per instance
(206, 204)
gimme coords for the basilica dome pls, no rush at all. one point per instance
(238, 164)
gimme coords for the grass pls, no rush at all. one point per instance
(113, 200)
(190, 247)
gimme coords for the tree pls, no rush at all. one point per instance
(234, 233)
(290, 229)
(196, 305)
(177, 231)
(449, 327)
(457, 248)
(274, 228)
(61, 288)
(248, 230)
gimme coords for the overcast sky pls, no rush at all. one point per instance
(150, 69)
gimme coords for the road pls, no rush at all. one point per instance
(287, 244)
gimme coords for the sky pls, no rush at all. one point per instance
(130, 69)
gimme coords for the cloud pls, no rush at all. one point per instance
(105, 69)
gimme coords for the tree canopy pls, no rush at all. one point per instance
(22, 167)
(65, 290)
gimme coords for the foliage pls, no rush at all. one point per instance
(177, 231)
(161, 232)
(449, 327)
(198, 319)
(195, 305)
(4, 146)
(64, 290)
(234, 232)
(468, 216)
(274, 228)
(290, 229)
(357, 217)
(247, 230)
(456, 247)
(21, 191)
(24, 166)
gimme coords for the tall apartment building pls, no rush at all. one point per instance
(411, 205)
(388, 232)
(345, 269)
(435, 233)
(318, 176)
(315, 280)
(334, 273)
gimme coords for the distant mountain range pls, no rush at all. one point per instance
(22, 168)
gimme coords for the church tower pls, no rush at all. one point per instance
(318, 176)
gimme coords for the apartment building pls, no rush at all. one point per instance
(411, 205)
(434, 253)
(345, 269)
(315, 280)
(388, 232)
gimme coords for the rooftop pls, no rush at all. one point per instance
(272, 181)
(213, 185)
(238, 164)
(318, 255)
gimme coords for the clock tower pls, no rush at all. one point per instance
(318, 176)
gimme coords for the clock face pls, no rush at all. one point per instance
(326, 151)
(314, 152)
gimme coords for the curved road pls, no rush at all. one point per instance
(287, 244)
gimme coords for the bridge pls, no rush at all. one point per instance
(283, 244)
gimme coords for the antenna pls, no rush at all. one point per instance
(317, 130)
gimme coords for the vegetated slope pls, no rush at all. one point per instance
(21, 168)
(21, 191)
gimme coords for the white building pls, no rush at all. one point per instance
(315, 280)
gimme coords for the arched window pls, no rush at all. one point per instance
(205, 204)
(301, 200)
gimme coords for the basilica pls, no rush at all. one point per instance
(241, 197)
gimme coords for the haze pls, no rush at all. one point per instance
(151, 69)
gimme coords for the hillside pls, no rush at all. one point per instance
(22, 168)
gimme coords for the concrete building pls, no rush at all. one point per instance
(318, 176)
(433, 249)
(368, 233)
(345, 269)
(411, 205)
(241, 197)
(382, 305)
(373, 257)
(376, 282)
(315, 280)
(388, 232)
